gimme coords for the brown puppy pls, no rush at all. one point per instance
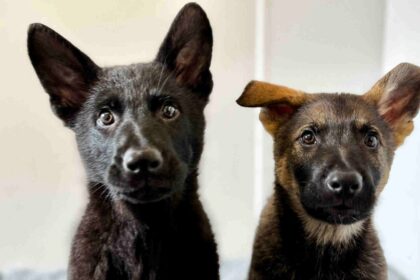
(333, 153)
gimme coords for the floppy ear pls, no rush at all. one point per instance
(187, 48)
(278, 102)
(397, 97)
(64, 71)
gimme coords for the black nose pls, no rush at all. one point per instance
(142, 160)
(344, 182)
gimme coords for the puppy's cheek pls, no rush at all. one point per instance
(283, 176)
(382, 181)
(287, 180)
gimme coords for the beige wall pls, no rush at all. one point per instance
(42, 191)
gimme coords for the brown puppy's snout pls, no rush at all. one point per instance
(144, 160)
(345, 184)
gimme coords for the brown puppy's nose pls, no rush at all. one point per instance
(142, 160)
(344, 182)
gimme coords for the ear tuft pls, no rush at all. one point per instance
(397, 98)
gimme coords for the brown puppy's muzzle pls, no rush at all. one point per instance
(344, 184)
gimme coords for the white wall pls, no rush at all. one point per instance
(398, 215)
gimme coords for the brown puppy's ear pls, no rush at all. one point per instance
(397, 97)
(64, 71)
(187, 49)
(278, 102)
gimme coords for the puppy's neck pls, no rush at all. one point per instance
(327, 234)
(319, 232)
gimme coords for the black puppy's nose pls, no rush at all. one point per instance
(142, 160)
(344, 182)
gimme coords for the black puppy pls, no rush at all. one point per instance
(333, 154)
(139, 130)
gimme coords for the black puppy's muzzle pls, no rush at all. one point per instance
(142, 174)
(144, 160)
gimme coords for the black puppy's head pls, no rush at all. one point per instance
(139, 128)
(333, 152)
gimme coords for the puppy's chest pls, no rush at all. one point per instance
(124, 251)
(324, 263)
(136, 252)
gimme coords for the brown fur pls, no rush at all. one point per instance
(292, 244)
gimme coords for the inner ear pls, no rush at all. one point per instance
(187, 48)
(272, 116)
(397, 97)
(64, 71)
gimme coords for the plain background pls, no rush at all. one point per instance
(313, 45)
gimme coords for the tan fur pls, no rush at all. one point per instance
(325, 234)
(262, 94)
(258, 94)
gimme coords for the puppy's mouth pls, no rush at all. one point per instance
(340, 213)
(144, 194)
(143, 189)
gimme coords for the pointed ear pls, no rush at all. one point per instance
(278, 102)
(64, 71)
(187, 49)
(397, 97)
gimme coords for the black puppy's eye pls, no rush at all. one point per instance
(106, 118)
(308, 137)
(169, 112)
(371, 140)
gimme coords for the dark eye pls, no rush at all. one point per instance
(106, 118)
(308, 137)
(371, 140)
(169, 112)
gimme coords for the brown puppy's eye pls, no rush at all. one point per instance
(169, 112)
(371, 140)
(308, 137)
(106, 118)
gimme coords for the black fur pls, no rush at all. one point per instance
(139, 130)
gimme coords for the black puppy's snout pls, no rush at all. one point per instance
(346, 183)
(142, 160)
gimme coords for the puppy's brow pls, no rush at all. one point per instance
(112, 101)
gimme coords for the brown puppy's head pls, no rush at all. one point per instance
(333, 152)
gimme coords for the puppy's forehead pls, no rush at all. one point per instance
(327, 109)
(134, 83)
(138, 77)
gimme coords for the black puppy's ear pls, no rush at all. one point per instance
(397, 98)
(187, 49)
(64, 71)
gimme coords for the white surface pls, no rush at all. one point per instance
(398, 214)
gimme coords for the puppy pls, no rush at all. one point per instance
(333, 154)
(139, 130)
